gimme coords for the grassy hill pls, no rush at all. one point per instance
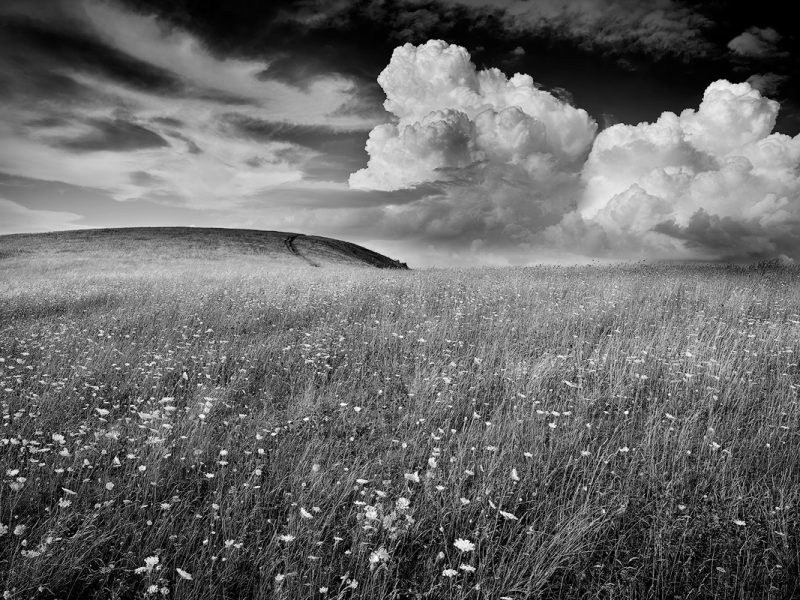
(138, 245)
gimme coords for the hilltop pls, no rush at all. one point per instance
(160, 244)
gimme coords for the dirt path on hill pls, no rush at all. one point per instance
(289, 243)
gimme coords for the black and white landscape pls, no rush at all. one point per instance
(481, 299)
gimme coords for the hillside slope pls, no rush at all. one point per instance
(146, 244)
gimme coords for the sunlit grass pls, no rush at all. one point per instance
(229, 431)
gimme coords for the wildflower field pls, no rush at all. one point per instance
(229, 430)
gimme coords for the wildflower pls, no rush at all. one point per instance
(464, 501)
(362, 481)
(467, 568)
(323, 590)
(184, 574)
(414, 477)
(149, 563)
(3, 529)
(109, 486)
(371, 513)
(449, 573)
(585, 453)
(739, 522)
(514, 475)
(279, 578)
(286, 537)
(64, 503)
(432, 462)
(305, 514)
(381, 555)
(152, 589)
(464, 545)
(20, 530)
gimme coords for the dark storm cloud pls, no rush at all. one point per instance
(112, 135)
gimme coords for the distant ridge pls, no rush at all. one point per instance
(282, 248)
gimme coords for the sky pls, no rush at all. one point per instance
(439, 132)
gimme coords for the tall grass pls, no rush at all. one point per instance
(595, 432)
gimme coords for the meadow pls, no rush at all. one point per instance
(225, 429)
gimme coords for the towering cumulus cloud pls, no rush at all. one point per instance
(519, 173)
(504, 156)
(451, 116)
(711, 183)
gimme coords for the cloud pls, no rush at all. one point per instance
(451, 116)
(504, 155)
(122, 101)
(110, 134)
(656, 27)
(767, 83)
(756, 42)
(519, 174)
(711, 183)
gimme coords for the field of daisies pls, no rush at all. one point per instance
(236, 432)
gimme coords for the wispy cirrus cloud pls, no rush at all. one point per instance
(127, 103)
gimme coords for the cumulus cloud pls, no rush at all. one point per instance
(449, 114)
(710, 183)
(506, 154)
(522, 174)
